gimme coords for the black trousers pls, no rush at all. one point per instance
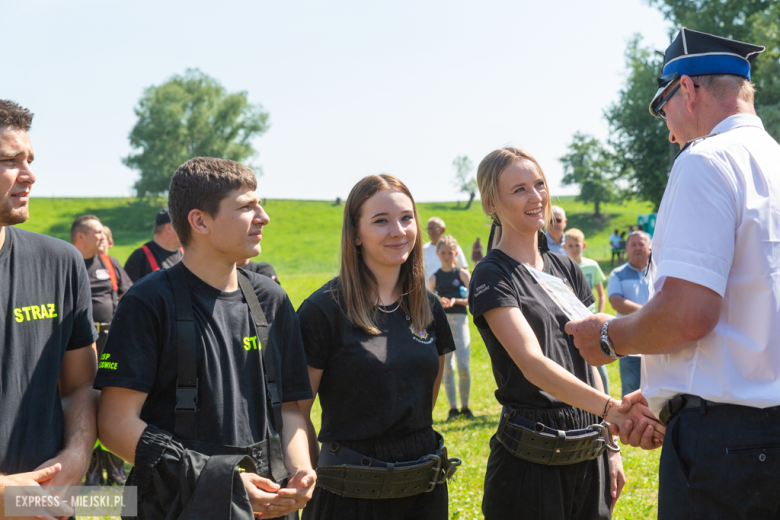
(721, 462)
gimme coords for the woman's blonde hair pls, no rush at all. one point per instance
(356, 287)
(489, 171)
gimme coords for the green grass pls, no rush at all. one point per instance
(302, 242)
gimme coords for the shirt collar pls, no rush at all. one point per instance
(640, 271)
(736, 121)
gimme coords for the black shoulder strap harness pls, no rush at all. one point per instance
(187, 358)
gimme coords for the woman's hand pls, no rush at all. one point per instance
(641, 416)
(617, 477)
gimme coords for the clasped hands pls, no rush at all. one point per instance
(270, 500)
(632, 420)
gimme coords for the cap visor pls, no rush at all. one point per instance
(655, 99)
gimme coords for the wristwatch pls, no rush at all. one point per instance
(606, 344)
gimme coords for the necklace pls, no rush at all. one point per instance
(389, 312)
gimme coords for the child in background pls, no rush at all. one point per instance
(574, 243)
(451, 284)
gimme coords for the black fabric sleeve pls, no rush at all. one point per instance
(444, 340)
(489, 289)
(295, 375)
(135, 265)
(123, 279)
(83, 333)
(317, 335)
(129, 358)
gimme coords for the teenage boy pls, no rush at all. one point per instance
(204, 365)
(574, 243)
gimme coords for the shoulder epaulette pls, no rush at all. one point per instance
(692, 142)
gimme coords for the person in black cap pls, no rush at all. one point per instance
(163, 251)
(711, 369)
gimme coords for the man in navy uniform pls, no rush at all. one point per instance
(163, 251)
(711, 369)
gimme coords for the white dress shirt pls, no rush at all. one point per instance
(719, 226)
(432, 262)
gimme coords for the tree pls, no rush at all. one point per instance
(639, 140)
(463, 179)
(188, 116)
(591, 166)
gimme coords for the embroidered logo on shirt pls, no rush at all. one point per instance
(421, 336)
(102, 274)
(481, 289)
(35, 312)
(456, 282)
(252, 343)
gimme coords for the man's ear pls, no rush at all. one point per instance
(692, 95)
(199, 222)
(584, 245)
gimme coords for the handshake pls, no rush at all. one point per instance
(635, 424)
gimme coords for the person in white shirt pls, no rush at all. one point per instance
(431, 260)
(555, 230)
(710, 332)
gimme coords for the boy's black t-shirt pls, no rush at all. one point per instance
(137, 265)
(501, 281)
(45, 310)
(140, 354)
(372, 385)
(100, 284)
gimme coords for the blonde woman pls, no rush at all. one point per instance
(375, 341)
(545, 459)
(451, 283)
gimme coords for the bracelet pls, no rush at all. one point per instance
(607, 406)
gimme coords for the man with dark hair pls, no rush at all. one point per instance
(47, 339)
(108, 282)
(163, 251)
(205, 364)
(709, 334)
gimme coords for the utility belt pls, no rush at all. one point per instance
(535, 442)
(347, 473)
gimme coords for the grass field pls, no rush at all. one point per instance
(302, 242)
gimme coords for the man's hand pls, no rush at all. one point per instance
(39, 477)
(617, 477)
(638, 431)
(637, 413)
(587, 338)
(264, 497)
(300, 488)
(74, 463)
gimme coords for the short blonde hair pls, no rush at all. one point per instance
(447, 240)
(490, 170)
(575, 234)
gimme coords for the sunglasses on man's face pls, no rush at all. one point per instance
(659, 110)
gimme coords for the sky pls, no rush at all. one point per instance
(352, 88)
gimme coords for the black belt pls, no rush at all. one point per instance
(347, 473)
(535, 442)
(683, 402)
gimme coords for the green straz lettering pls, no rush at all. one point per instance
(35, 312)
(252, 343)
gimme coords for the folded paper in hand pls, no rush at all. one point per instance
(561, 294)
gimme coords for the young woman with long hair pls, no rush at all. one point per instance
(375, 342)
(546, 460)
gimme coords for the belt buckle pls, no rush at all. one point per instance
(605, 438)
(452, 467)
(436, 471)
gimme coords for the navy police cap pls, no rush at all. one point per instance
(695, 53)
(162, 217)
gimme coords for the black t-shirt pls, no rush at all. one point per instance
(372, 385)
(500, 281)
(448, 284)
(137, 265)
(100, 283)
(140, 354)
(45, 310)
(263, 268)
